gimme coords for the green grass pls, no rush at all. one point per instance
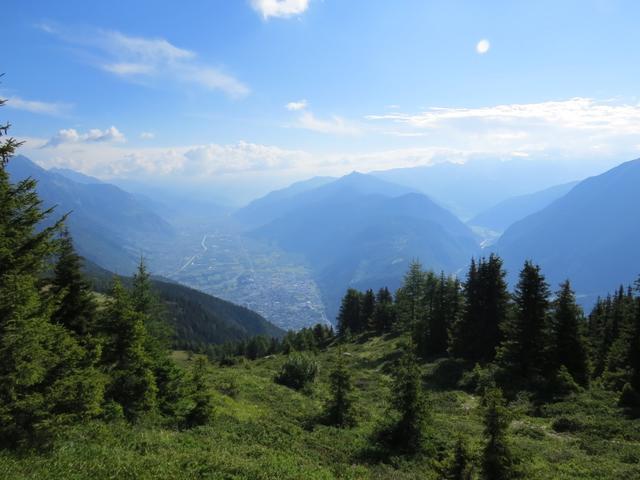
(263, 430)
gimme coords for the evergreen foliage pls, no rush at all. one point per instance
(411, 297)
(460, 466)
(46, 378)
(497, 460)
(568, 345)
(526, 332)
(477, 332)
(339, 409)
(349, 317)
(299, 371)
(408, 432)
(202, 411)
(125, 358)
(384, 314)
(75, 304)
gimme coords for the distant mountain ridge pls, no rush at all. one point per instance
(110, 226)
(301, 194)
(469, 188)
(590, 235)
(362, 231)
(504, 214)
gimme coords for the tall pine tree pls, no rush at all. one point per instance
(497, 460)
(526, 333)
(477, 332)
(76, 308)
(339, 410)
(125, 358)
(349, 316)
(568, 345)
(46, 377)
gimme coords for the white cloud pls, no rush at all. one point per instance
(335, 125)
(575, 113)
(145, 60)
(71, 135)
(299, 105)
(55, 109)
(483, 46)
(573, 128)
(147, 136)
(240, 157)
(279, 8)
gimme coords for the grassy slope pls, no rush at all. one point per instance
(267, 431)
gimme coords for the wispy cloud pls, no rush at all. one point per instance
(143, 59)
(71, 135)
(299, 105)
(279, 8)
(147, 136)
(100, 154)
(576, 127)
(575, 113)
(56, 109)
(334, 125)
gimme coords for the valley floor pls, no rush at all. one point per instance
(263, 430)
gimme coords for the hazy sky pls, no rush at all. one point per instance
(227, 90)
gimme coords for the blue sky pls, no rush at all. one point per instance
(239, 90)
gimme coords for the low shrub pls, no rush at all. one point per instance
(298, 371)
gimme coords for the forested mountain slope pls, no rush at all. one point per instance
(197, 318)
(109, 226)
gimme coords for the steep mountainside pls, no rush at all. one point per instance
(352, 235)
(110, 226)
(198, 318)
(591, 235)
(499, 217)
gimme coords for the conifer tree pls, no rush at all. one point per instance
(46, 377)
(408, 432)
(339, 410)
(76, 308)
(522, 352)
(497, 460)
(367, 308)
(157, 334)
(476, 334)
(445, 310)
(410, 298)
(460, 466)
(567, 339)
(349, 316)
(202, 410)
(384, 314)
(596, 324)
(623, 357)
(133, 384)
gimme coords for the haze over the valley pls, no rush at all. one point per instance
(273, 153)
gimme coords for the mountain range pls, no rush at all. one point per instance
(110, 227)
(360, 231)
(499, 217)
(469, 188)
(590, 235)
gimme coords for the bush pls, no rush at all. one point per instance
(479, 379)
(629, 398)
(566, 424)
(298, 371)
(447, 372)
(563, 383)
